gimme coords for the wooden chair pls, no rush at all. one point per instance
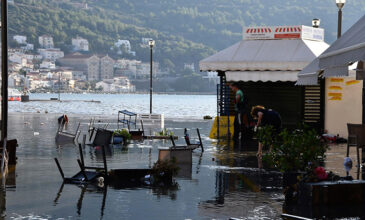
(356, 138)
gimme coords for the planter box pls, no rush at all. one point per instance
(136, 135)
(182, 155)
(332, 193)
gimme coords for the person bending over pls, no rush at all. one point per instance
(266, 117)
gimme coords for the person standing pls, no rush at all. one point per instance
(240, 111)
(266, 117)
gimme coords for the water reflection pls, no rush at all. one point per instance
(84, 188)
(247, 189)
(241, 181)
(91, 189)
(2, 202)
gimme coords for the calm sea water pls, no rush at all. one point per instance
(172, 106)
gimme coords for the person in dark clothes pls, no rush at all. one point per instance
(63, 119)
(266, 117)
(240, 118)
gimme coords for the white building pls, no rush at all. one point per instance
(117, 85)
(28, 47)
(20, 39)
(144, 41)
(80, 44)
(189, 66)
(35, 84)
(212, 77)
(47, 64)
(46, 41)
(124, 46)
(15, 58)
(125, 43)
(78, 75)
(51, 53)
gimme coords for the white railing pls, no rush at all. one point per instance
(153, 120)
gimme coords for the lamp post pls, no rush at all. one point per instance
(340, 4)
(59, 86)
(151, 43)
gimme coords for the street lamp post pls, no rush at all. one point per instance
(59, 86)
(151, 43)
(340, 4)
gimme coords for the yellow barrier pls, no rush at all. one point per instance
(223, 128)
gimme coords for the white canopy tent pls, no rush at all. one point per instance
(267, 55)
(264, 59)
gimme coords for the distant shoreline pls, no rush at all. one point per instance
(104, 116)
(139, 93)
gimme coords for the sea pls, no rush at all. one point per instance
(172, 106)
(223, 182)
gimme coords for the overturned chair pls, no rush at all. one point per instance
(193, 145)
(63, 137)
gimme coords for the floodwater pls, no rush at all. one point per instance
(223, 182)
(218, 185)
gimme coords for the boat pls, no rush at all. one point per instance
(14, 94)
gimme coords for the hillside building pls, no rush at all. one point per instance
(51, 53)
(106, 67)
(95, 67)
(46, 41)
(20, 39)
(80, 44)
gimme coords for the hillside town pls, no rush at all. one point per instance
(49, 69)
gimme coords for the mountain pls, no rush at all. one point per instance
(185, 30)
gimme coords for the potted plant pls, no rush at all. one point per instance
(165, 132)
(163, 171)
(121, 136)
(295, 153)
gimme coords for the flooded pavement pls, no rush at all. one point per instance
(222, 182)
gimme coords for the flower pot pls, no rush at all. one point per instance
(118, 139)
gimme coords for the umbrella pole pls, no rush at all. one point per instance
(4, 70)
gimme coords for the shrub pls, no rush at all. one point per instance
(124, 133)
(293, 151)
(165, 132)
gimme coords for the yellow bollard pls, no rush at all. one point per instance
(223, 127)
